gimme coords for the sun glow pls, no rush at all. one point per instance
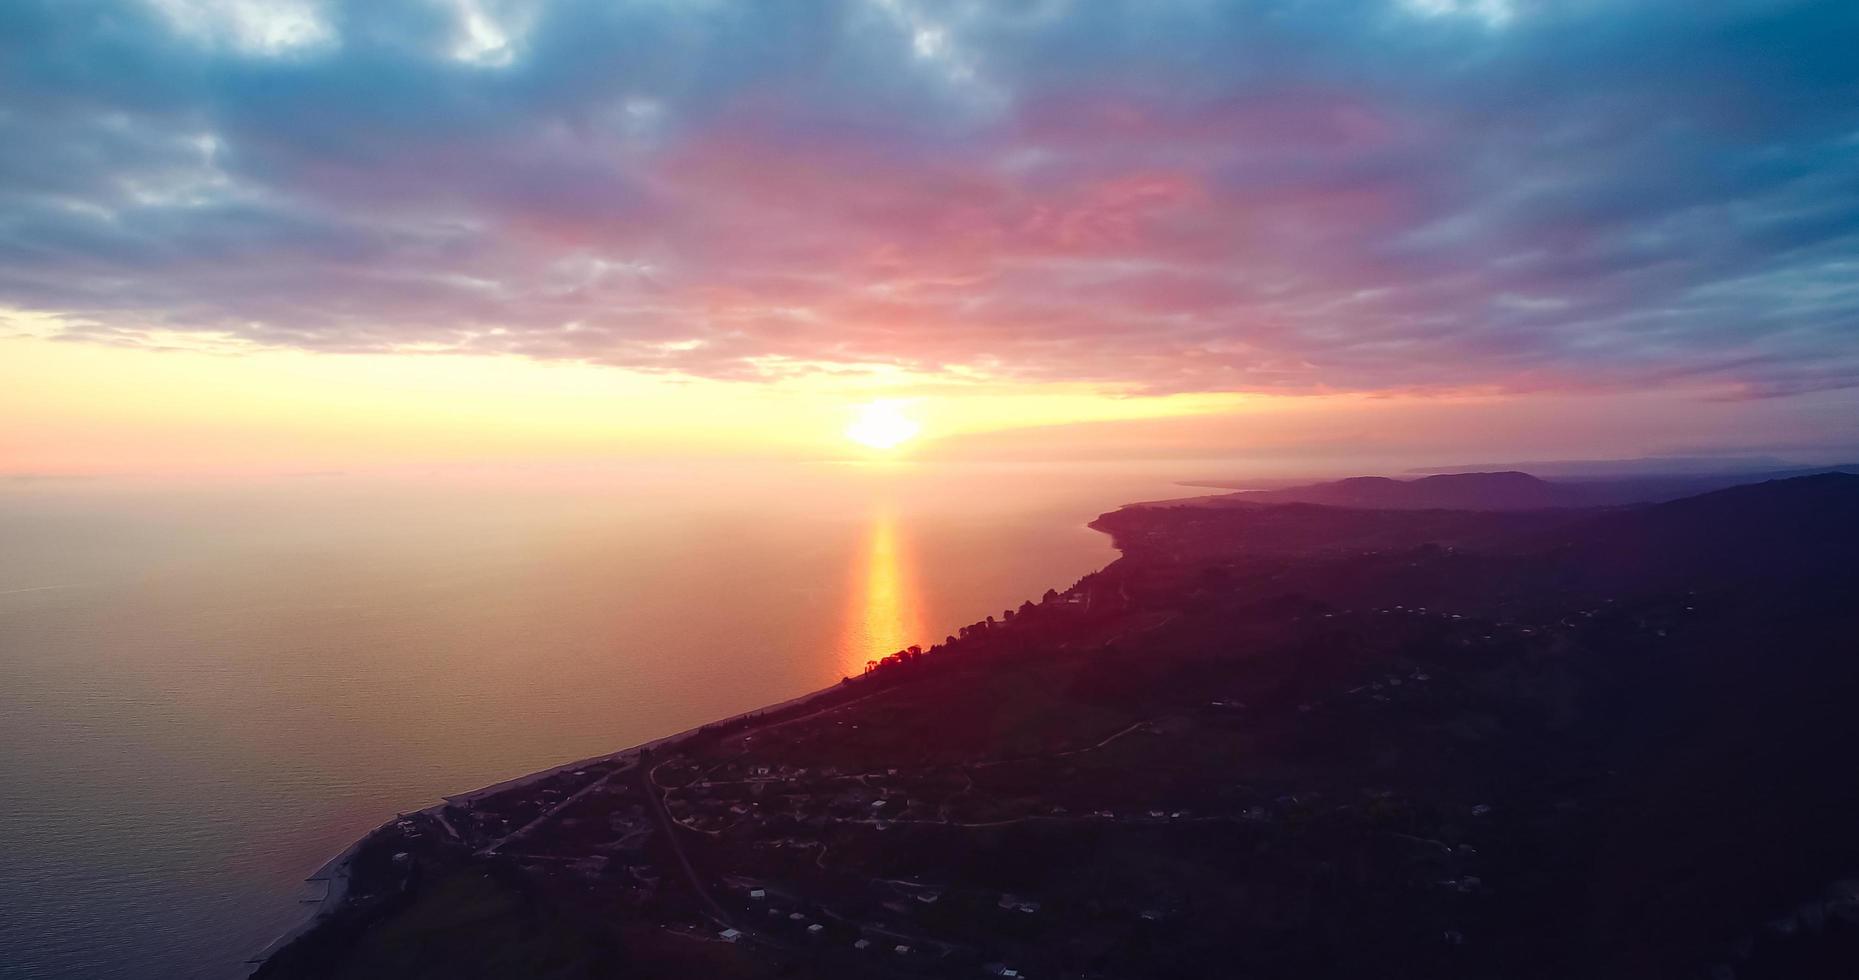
(881, 425)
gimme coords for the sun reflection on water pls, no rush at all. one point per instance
(887, 607)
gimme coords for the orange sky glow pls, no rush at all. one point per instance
(90, 409)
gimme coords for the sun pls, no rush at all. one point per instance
(881, 425)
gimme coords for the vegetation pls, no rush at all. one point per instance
(1270, 741)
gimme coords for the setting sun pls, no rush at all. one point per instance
(881, 425)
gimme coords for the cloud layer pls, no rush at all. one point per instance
(1155, 196)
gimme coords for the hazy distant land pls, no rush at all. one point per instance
(1583, 485)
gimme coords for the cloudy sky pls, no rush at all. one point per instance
(711, 215)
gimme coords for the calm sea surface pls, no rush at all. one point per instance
(206, 691)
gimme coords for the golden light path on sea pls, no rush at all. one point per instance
(887, 609)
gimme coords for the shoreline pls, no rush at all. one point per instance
(335, 871)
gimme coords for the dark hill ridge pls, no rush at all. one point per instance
(1796, 528)
(1802, 526)
(1788, 540)
(1451, 491)
(1508, 490)
(1193, 529)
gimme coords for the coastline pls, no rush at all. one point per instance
(335, 875)
(335, 871)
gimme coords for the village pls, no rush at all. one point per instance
(867, 831)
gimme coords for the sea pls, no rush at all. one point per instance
(208, 687)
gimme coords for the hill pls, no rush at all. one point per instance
(1779, 531)
(1449, 491)
(1276, 741)
(1511, 490)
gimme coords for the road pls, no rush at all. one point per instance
(524, 830)
(669, 828)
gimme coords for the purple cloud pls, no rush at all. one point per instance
(1164, 197)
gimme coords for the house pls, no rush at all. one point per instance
(758, 893)
(902, 950)
(815, 929)
(862, 944)
(730, 935)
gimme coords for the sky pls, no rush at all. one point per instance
(260, 236)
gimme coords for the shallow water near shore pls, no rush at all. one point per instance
(206, 690)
